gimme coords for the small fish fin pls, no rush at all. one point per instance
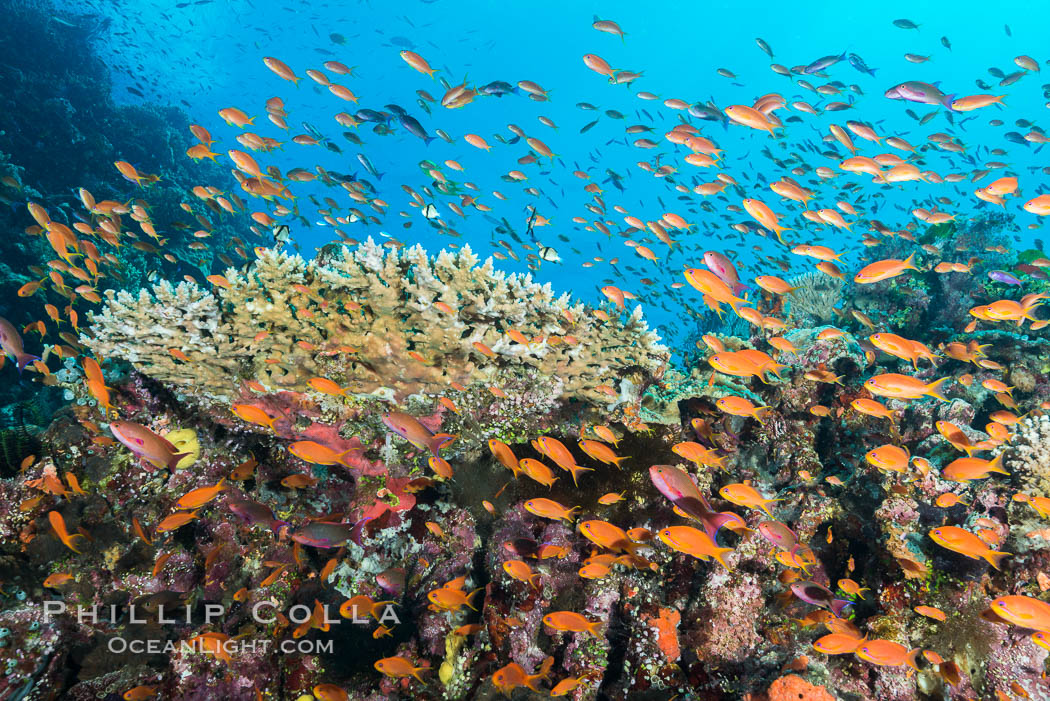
(840, 605)
(25, 359)
(718, 555)
(996, 465)
(439, 441)
(470, 598)
(174, 460)
(994, 557)
(577, 469)
(934, 389)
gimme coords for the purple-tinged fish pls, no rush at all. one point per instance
(1003, 277)
(924, 93)
(323, 534)
(1034, 271)
(676, 484)
(11, 341)
(823, 62)
(142, 441)
(409, 428)
(392, 580)
(857, 62)
(255, 513)
(724, 269)
(813, 593)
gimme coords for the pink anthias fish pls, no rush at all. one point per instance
(324, 534)
(142, 441)
(818, 595)
(255, 513)
(11, 341)
(676, 484)
(409, 428)
(725, 270)
(924, 93)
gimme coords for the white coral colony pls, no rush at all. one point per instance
(389, 321)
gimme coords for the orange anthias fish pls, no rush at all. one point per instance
(317, 454)
(548, 508)
(695, 542)
(837, 644)
(572, 622)
(399, 667)
(607, 535)
(511, 676)
(1024, 611)
(748, 496)
(59, 525)
(452, 599)
(966, 469)
(898, 386)
(601, 452)
(254, 415)
(887, 653)
(966, 543)
(326, 386)
(562, 457)
(200, 496)
(409, 428)
(505, 456)
(175, 521)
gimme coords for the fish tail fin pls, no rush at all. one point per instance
(470, 598)
(540, 675)
(439, 441)
(341, 458)
(595, 629)
(947, 102)
(934, 389)
(620, 458)
(24, 359)
(994, 557)
(840, 605)
(577, 469)
(718, 553)
(996, 465)
(912, 659)
(175, 459)
(909, 262)
(415, 673)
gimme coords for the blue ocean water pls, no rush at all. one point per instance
(204, 56)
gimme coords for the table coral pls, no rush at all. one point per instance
(393, 322)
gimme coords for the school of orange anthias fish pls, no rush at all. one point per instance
(832, 510)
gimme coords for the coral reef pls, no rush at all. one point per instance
(393, 322)
(816, 297)
(1027, 457)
